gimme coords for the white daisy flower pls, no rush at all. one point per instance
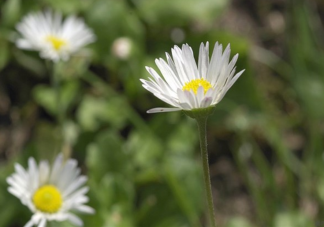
(186, 86)
(54, 38)
(51, 193)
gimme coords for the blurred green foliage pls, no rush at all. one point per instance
(144, 170)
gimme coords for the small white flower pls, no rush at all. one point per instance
(51, 193)
(54, 38)
(122, 48)
(186, 86)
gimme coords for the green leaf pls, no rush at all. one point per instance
(47, 139)
(4, 53)
(146, 152)
(158, 208)
(47, 96)
(180, 11)
(122, 21)
(239, 222)
(11, 12)
(68, 7)
(96, 111)
(106, 154)
(292, 219)
(310, 90)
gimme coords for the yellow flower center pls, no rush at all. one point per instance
(56, 42)
(194, 85)
(47, 199)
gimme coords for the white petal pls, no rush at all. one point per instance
(75, 220)
(85, 209)
(15, 191)
(42, 223)
(162, 109)
(166, 98)
(200, 94)
(214, 61)
(177, 58)
(220, 65)
(44, 170)
(195, 99)
(235, 78)
(12, 181)
(182, 97)
(210, 93)
(20, 170)
(206, 102)
(225, 74)
(153, 73)
(227, 87)
(56, 169)
(33, 174)
(190, 65)
(33, 221)
(203, 61)
(191, 99)
(168, 74)
(74, 185)
(30, 223)
(173, 68)
(185, 106)
(24, 44)
(69, 174)
(75, 195)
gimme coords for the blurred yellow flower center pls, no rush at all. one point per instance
(194, 85)
(47, 199)
(56, 42)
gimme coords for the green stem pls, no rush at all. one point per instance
(57, 87)
(65, 148)
(202, 122)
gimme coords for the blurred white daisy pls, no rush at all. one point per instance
(122, 48)
(54, 38)
(50, 192)
(186, 86)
